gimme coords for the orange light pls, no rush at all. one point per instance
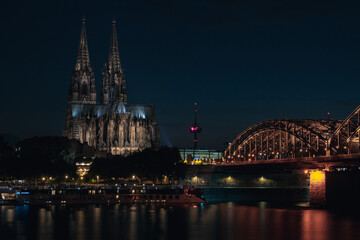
(306, 171)
(317, 176)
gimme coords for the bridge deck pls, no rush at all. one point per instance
(320, 161)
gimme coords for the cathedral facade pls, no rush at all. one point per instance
(113, 125)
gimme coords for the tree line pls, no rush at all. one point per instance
(149, 164)
(39, 157)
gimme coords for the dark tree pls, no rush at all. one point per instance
(39, 156)
(149, 164)
(7, 159)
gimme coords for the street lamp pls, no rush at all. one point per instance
(43, 183)
(196, 180)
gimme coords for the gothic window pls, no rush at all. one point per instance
(111, 92)
(84, 89)
(76, 134)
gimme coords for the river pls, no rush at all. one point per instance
(225, 220)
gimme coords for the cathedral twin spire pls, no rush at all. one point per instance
(82, 89)
(114, 88)
(83, 59)
(114, 59)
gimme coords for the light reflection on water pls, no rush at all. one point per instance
(212, 221)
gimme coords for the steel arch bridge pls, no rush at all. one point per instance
(292, 138)
(345, 139)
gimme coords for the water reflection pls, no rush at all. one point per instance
(213, 221)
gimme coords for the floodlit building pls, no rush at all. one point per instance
(113, 125)
(200, 156)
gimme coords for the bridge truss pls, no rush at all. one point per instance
(283, 138)
(345, 139)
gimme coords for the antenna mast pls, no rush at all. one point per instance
(195, 129)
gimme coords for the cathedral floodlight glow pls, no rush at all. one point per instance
(113, 125)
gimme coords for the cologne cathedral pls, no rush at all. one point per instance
(113, 125)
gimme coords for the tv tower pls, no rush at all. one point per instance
(195, 129)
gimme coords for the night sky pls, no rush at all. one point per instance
(243, 61)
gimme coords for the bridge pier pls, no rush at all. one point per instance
(317, 193)
(335, 188)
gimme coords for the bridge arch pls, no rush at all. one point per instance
(345, 139)
(281, 138)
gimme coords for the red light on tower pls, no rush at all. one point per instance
(194, 129)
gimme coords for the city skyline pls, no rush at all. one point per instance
(180, 119)
(241, 63)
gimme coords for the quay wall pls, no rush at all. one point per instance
(249, 184)
(245, 176)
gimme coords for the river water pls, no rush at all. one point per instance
(207, 221)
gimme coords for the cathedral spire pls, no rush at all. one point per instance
(83, 58)
(114, 59)
(82, 88)
(114, 86)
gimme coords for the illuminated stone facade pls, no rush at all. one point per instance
(317, 195)
(112, 126)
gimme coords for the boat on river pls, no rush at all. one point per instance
(115, 195)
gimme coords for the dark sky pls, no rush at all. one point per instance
(243, 61)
